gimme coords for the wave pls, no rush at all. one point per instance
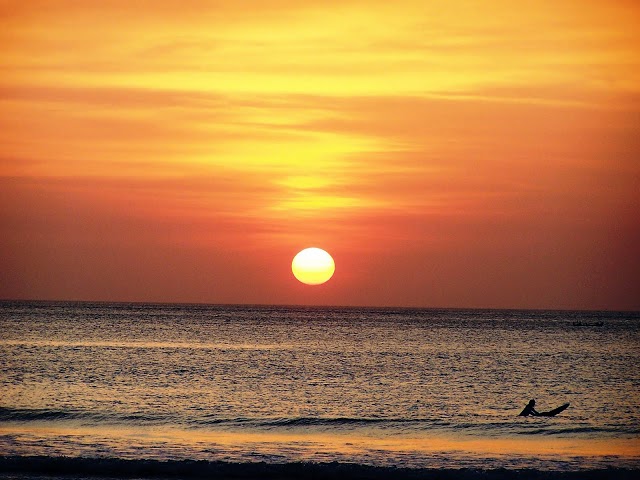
(580, 430)
(40, 414)
(24, 414)
(392, 424)
(124, 468)
(316, 421)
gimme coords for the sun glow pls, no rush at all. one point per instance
(215, 140)
(313, 266)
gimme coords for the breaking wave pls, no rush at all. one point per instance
(418, 425)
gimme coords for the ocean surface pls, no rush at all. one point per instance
(156, 387)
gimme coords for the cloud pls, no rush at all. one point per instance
(508, 131)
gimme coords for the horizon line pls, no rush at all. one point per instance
(301, 305)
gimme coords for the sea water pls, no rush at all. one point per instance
(384, 387)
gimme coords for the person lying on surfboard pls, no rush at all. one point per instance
(529, 410)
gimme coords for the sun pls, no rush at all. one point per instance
(313, 266)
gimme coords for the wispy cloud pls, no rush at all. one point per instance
(241, 126)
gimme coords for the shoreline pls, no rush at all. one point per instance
(81, 467)
(312, 446)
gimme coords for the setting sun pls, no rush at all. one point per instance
(313, 266)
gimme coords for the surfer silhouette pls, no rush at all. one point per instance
(529, 410)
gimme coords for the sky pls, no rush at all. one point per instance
(446, 154)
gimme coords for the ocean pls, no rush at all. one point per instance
(151, 390)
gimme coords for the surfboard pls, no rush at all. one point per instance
(555, 411)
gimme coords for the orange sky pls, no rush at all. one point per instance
(459, 153)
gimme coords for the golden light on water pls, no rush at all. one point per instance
(313, 266)
(310, 444)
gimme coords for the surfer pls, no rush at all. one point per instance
(529, 410)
